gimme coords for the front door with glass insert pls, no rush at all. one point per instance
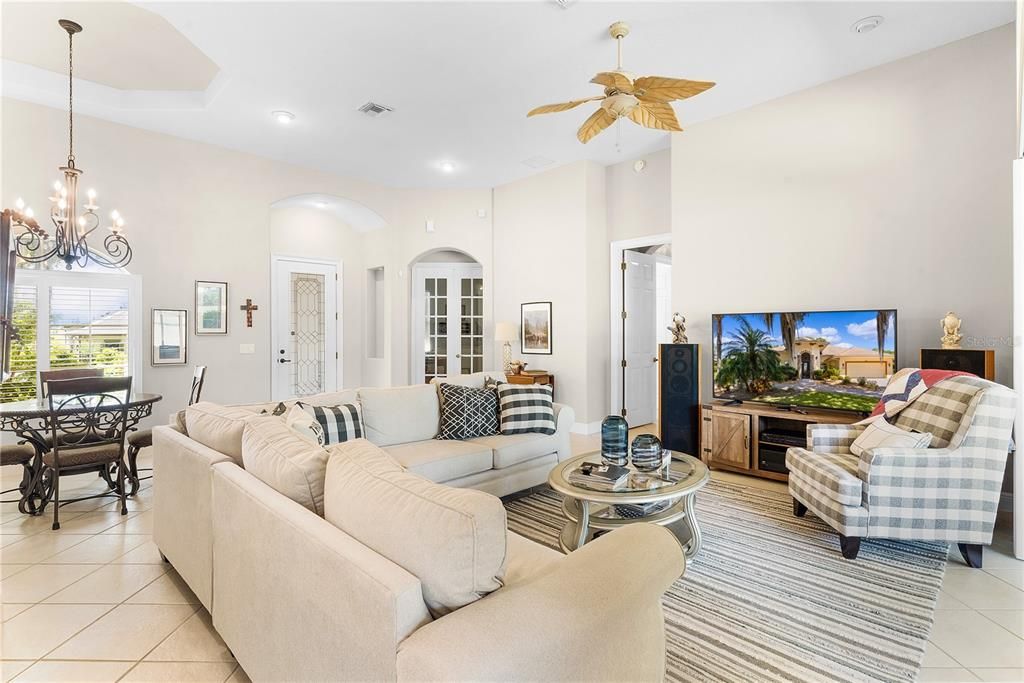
(305, 353)
(448, 320)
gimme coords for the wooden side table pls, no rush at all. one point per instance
(546, 378)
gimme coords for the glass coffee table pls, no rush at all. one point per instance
(664, 497)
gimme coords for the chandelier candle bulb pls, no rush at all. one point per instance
(19, 204)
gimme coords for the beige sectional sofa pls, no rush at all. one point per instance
(297, 598)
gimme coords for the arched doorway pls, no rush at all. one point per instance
(447, 315)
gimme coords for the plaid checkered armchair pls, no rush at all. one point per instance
(948, 492)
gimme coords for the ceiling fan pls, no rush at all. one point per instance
(643, 100)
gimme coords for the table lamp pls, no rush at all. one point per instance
(506, 332)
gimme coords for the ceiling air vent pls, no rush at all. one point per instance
(373, 110)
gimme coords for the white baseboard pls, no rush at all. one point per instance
(586, 428)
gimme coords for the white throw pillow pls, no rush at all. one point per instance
(286, 462)
(452, 540)
(305, 425)
(881, 434)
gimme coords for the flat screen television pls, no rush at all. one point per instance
(837, 360)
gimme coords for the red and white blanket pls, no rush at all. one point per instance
(904, 388)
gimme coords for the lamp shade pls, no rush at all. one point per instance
(505, 331)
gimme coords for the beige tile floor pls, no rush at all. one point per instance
(93, 601)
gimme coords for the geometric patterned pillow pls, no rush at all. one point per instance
(526, 408)
(340, 423)
(467, 412)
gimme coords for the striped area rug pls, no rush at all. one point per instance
(770, 598)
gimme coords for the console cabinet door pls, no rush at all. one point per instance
(731, 439)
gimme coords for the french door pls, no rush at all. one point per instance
(305, 328)
(639, 337)
(448, 320)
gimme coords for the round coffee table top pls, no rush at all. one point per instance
(687, 474)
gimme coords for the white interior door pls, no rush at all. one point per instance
(447, 320)
(639, 337)
(305, 328)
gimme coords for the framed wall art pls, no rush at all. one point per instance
(535, 318)
(211, 307)
(170, 336)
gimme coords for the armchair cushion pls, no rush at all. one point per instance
(882, 434)
(826, 438)
(830, 476)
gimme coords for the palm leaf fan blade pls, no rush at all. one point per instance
(562, 106)
(614, 79)
(665, 89)
(657, 115)
(597, 122)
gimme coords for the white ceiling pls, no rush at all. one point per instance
(461, 76)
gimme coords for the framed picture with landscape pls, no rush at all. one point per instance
(170, 336)
(536, 327)
(211, 307)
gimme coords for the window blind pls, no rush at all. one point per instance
(89, 329)
(22, 383)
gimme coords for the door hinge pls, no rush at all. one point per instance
(623, 362)
(335, 316)
(623, 411)
(335, 355)
(622, 265)
(623, 315)
(335, 277)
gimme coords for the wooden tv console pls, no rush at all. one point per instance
(752, 439)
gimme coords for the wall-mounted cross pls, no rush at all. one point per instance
(248, 308)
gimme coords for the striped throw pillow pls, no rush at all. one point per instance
(526, 408)
(340, 423)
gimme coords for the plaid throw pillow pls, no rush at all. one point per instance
(467, 412)
(340, 423)
(526, 408)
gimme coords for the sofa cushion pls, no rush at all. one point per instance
(467, 412)
(400, 414)
(286, 462)
(443, 460)
(516, 448)
(452, 540)
(881, 434)
(526, 408)
(218, 427)
(526, 560)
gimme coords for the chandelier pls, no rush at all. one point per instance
(72, 225)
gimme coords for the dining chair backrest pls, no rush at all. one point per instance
(46, 376)
(88, 411)
(198, 375)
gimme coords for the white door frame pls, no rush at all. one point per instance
(456, 269)
(332, 381)
(615, 308)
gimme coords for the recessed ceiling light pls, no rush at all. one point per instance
(320, 205)
(447, 166)
(867, 24)
(283, 117)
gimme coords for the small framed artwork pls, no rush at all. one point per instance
(536, 327)
(211, 307)
(170, 336)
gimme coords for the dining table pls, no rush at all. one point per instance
(27, 420)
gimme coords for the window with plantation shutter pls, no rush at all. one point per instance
(22, 382)
(89, 329)
(73, 320)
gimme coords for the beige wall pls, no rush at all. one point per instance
(197, 211)
(907, 164)
(640, 204)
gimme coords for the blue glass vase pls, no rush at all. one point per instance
(614, 445)
(647, 453)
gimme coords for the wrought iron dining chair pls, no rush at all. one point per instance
(20, 454)
(143, 438)
(46, 376)
(88, 420)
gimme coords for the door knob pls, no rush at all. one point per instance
(284, 360)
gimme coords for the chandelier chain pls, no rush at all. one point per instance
(71, 101)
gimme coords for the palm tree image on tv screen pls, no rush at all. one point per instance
(839, 360)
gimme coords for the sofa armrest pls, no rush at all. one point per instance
(565, 416)
(834, 439)
(544, 629)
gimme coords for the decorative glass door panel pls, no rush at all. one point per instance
(305, 328)
(448, 319)
(308, 342)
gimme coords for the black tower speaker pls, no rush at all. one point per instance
(980, 362)
(679, 397)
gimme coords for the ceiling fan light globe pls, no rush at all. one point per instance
(620, 105)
